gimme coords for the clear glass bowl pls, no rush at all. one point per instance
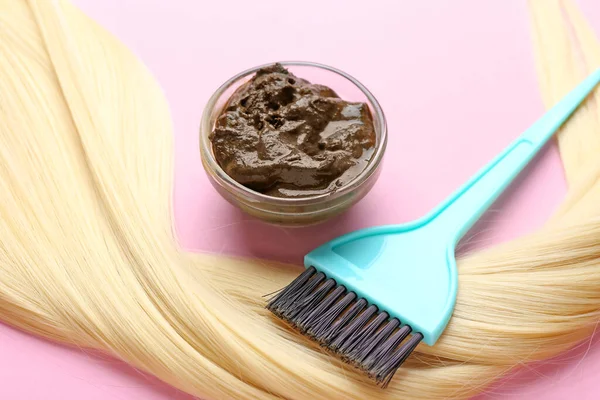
(305, 210)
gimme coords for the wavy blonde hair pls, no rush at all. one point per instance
(88, 256)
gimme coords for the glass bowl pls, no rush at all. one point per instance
(302, 211)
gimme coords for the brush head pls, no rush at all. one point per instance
(371, 296)
(356, 331)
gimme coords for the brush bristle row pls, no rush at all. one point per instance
(339, 321)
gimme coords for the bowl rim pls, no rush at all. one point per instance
(209, 161)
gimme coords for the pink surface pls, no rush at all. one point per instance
(456, 80)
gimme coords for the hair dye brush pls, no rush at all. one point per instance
(364, 293)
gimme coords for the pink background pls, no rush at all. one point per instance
(458, 74)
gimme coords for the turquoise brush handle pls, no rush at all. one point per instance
(410, 270)
(462, 209)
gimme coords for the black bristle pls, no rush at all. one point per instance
(347, 325)
(338, 326)
(360, 353)
(311, 319)
(313, 300)
(291, 289)
(386, 348)
(366, 334)
(296, 303)
(386, 369)
(323, 322)
(353, 329)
